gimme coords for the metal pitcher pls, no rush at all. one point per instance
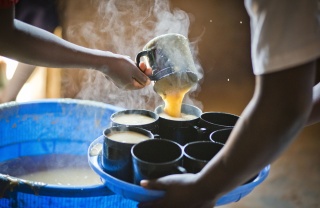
(171, 61)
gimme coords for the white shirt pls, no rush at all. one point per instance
(284, 33)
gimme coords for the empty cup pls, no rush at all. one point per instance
(198, 154)
(156, 158)
(213, 121)
(220, 136)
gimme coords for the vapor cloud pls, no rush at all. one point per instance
(125, 27)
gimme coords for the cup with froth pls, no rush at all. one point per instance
(116, 151)
(136, 118)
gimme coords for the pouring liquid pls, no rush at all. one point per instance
(172, 90)
(173, 101)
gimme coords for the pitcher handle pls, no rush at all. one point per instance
(138, 57)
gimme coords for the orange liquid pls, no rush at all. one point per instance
(173, 101)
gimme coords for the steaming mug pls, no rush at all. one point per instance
(136, 118)
(180, 131)
(171, 61)
(116, 153)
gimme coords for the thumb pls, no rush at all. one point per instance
(153, 184)
(141, 79)
(142, 75)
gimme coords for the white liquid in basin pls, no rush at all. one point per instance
(67, 176)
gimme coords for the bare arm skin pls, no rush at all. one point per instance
(12, 88)
(277, 112)
(31, 45)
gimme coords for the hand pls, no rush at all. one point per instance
(125, 74)
(182, 190)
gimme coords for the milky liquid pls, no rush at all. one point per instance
(183, 117)
(130, 137)
(133, 119)
(56, 169)
(67, 176)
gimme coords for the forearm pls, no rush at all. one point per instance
(34, 46)
(45, 49)
(266, 127)
(14, 85)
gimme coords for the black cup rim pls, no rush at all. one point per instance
(198, 142)
(184, 105)
(135, 111)
(134, 157)
(217, 132)
(230, 116)
(126, 128)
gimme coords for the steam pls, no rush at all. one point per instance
(124, 27)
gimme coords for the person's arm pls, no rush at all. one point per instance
(13, 87)
(278, 110)
(32, 45)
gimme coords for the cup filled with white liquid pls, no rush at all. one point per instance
(181, 129)
(116, 155)
(136, 118)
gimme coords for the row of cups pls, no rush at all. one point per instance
(197, 128)
(169, 147)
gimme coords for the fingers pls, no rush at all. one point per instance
(153, 184)
(153, 204)
(147, 70)
(142, 80)
(138, 85)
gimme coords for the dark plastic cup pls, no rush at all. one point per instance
(213, 121)
(156, 158)
(181, 131)
(220, 136)
(197, 154)
(116, 155)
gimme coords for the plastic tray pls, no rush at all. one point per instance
(140, 194)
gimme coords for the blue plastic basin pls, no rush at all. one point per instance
(58, 126)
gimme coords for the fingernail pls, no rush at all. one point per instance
(143, 182)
